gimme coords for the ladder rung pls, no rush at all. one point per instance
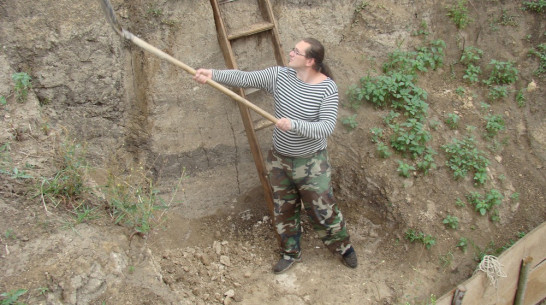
(254, 29)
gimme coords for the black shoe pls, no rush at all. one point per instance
(349, 258)
(285, 263)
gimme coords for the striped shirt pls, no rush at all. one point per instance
(312, 108)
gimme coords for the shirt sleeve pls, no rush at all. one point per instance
(262, 79)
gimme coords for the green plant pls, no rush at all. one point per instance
(459, 203)
(154, 11)
(451, 222)
(135, 202)
(506, 19)
(515, 196)
(483, 204)
(413, 236)
(67, 185)
(502, 73)
(463, 156)
(471, 55)
(383, 150)
(410, 137)
(423, 29)
(452, 120)
(446, 259)
(520, 98)
(494, 124)
(84, 212)
(349, 122)
(497, 92)
(540, 52)
(3, 101)
(427, 163)
(462, 244)
(22, 85)
(538, 6)
(459, 14)
(472, 73)
(377, 134)
(15, 173)
(404, 169)
(42, 290)
(11, 297)
(460, 91)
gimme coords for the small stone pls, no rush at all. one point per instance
(532, 86)
(224, 260)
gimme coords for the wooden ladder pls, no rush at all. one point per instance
(225, 39)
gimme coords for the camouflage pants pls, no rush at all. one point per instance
(305, 180)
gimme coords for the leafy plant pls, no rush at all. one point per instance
(451, 222)
(377, 134)
(463, 156)
(462, 244)
(410, 137)
(427, 163)
(459, 14)
(350, 122)
(495, 123)
(404, 169)
(413, 236)
(11, 297)
(472, 73)
(3, 101)
(452, 120)
(22, 85)
(383, 150)
(483, 204)
(502, 73)
(471, 55)
(459, 203)
(538, 6)
(497, 92)
(540, 52)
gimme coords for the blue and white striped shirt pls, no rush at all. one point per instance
(312, 108)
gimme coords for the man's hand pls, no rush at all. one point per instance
(202, 75)
(284, 124)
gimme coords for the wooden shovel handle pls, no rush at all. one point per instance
(148, 47)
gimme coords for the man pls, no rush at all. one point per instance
(306, 102)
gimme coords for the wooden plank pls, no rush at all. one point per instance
(280, 56)
(479, 291)
(251, 30)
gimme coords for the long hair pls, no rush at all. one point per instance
(316, 51)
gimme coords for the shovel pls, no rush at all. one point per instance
(111, 18)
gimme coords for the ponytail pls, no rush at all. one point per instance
(316, 51)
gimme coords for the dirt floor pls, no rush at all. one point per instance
(206, 249)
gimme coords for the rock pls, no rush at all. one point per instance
(224, 260)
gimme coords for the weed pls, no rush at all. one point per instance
(538, 6)
(15, 173)
(472, 73)
(452, 121)
(460, 91)
(540, 52)
(462, 244)
(22, 85)
(459, 14)
(423, 29)
(459, 203)
(494, 124)
(404, 169)
(413, 236)
(502, 73)
(154, 11)
(3, 101)
(463, 156)
(451, 222)
(485, 107)
(134, 201)
(514, 196)
(483, 204)
(383, 150)
(349, 122)
(427, 163)
(446, 259)
(42, 290)
(67, 184)
(11, 297)
(84, 213)
(506, 19)
(377, 134)
(520, 98)
(471, 55)
(497, 92)
(9, 234)
(434, 124)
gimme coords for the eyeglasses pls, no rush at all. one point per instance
(297, 52)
